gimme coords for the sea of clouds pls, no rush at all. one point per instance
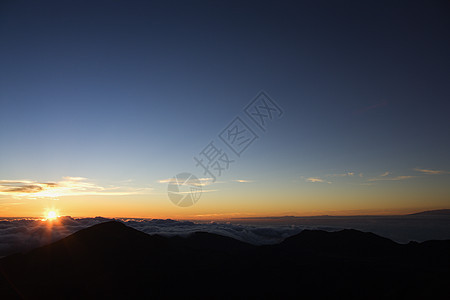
(21, 235)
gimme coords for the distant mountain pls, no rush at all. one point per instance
(428, 212)
(347, 242)
(115, 261)
(437, 212)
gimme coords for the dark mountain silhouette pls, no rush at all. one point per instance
(113, 260)
(437, 212)
(347, 242)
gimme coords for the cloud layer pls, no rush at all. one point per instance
(18, 235)
(68, 186)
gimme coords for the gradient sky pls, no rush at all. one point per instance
(102, 101)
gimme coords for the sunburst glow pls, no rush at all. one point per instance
(51, 215)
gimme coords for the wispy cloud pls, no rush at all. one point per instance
(68, 186)
(197, 191)
(385, 178)
(69, 178)
(431, 172)
(342, 174)
(23, 186)
(168, 180)
(316, 180)
(201, 181)
(243, 180)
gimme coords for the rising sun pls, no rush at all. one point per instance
(51, 215)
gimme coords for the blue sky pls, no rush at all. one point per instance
(131, 91)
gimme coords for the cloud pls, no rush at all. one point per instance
(20, 188)
(168, 180)
(68, 178)
(25, 234)
(69, 186)
(392, 178)
(386, 176)
(342, 174)
(402, 177)
(201, 181)
(198, 191)
(431, 172)
(19, 235)
(243, 180)
(321, 180)
(316, 180)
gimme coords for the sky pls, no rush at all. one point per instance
(104, 103)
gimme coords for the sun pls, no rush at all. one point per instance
(51, 215)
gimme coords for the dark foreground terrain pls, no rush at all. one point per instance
(113, 260)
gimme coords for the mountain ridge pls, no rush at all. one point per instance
(444, 212)
(113, 260)
(436, 212)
